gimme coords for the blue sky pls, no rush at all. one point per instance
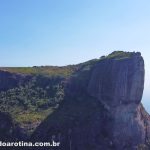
(61, 32)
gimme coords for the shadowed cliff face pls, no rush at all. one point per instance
(9, 131)
(118, 85)
(100, 108)
(103, 109)
(116, 81)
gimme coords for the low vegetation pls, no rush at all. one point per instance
(118, 55)
(33, 101)
(42, 70)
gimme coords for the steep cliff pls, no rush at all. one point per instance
(118, 85)
(102, 108)
(95, 105)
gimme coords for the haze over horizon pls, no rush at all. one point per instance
(35, 33)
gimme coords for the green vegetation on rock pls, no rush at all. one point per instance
(43, 70)
(33, 101)
(119, 55)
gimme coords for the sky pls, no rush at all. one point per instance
(62, 32)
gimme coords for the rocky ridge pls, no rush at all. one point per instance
(101, 107)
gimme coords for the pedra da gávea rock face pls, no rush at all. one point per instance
(102, 108)
(118, 85)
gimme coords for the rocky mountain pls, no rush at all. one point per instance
(94, 105)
